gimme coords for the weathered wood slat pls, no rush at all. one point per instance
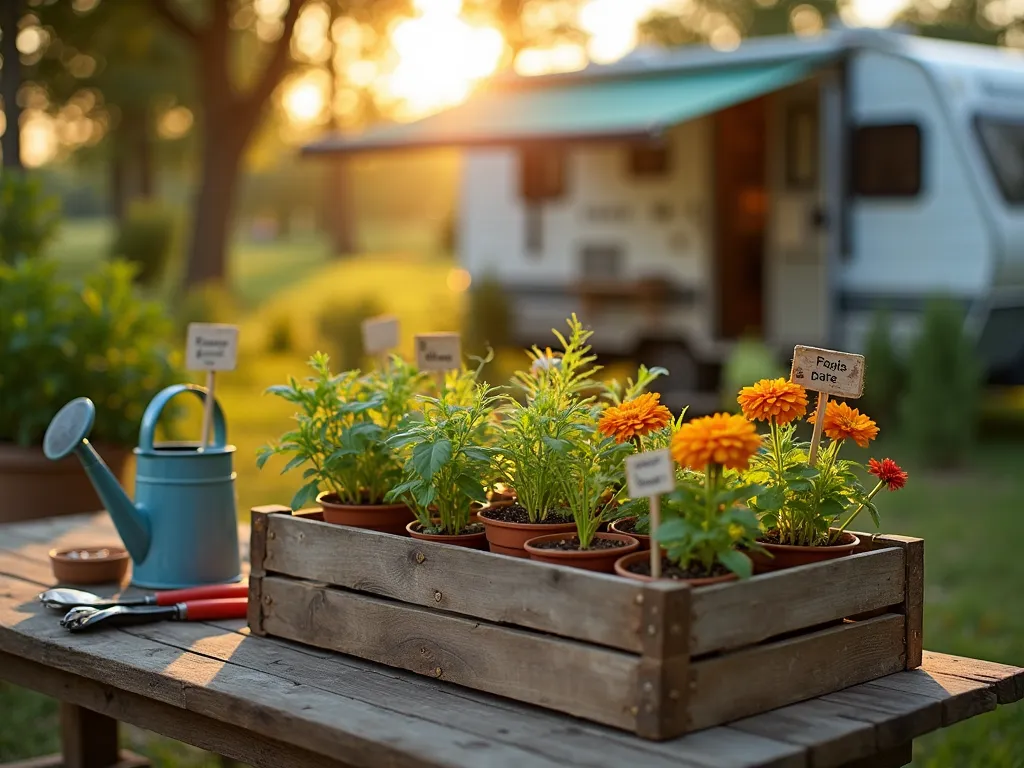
(787, 671)
(913, 599)
(1007, 681)
(961, 698)
(780, 602)
(571, 677)
(563, 601)
(898, 717)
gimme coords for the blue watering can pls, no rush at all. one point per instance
(181, 531)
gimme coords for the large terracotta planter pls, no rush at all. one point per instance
(387, 518)
(789, 556)
(623, 563)
(469, 540)
(32, 486)
(510, 538)
(644, 539)
(602, 560)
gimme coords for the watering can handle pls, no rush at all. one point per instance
(157, 405)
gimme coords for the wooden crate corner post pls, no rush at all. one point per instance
(912, 606)
(257, 554)
(663, 679)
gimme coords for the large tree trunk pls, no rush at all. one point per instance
(213, 212)
(10, 81)
(340, 219)
(118, 194)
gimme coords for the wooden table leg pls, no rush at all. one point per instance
(88, 739)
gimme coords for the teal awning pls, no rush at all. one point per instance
(581, 109)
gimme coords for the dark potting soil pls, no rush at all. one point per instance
(670, 570)
(629, 526)
(435, 530)
(573, 544)
(516, 513)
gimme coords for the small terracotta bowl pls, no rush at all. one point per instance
(89, 565)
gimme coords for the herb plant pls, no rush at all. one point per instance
(447, 459)
(343, 426)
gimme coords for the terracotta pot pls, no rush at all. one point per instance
(789, 556)
(32, 486)
(645, 540)
(623, 563)
(602, 560)
(468, 540)
(509, 538)
(105, 565)
(387, 518)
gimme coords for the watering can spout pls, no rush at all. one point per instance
(66, 435)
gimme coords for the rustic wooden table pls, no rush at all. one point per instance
(271, 703)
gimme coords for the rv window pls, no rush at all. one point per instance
(649, 159)
(542, 172)
(1003, 143)
(886, 160)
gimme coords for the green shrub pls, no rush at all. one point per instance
(750, 360)
(145, 239)
(487, 322)
(280, 334)
(209, 303)
(341, 330)
(59, 342)
(940, 407)
(28, 219)
(884, 374)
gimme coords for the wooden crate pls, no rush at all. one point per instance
(658, 659)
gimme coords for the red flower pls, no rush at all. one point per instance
(889, 472)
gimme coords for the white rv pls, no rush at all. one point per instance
(678, 200)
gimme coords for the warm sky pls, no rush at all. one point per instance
(437, 58)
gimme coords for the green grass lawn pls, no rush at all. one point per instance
(972, 519)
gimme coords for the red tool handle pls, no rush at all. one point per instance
(212, 592)
(225, 608)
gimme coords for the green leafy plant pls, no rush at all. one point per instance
(940, 408)
(447, 458)
(60, 342)
(884, 388)
(29, 219)
(706, 523)
(343, 427)
(535, 433)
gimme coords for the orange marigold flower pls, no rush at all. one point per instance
(725, 438)
(776, 399)
(889, 472)
(845, 423)
(639, 416)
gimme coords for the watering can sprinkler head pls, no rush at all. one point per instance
(66, 435)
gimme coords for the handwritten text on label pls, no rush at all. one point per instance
(211, 347)
(650, 474)
(825, 370)
(380, 334)
(438, 351)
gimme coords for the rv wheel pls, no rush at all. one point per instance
(676, 358)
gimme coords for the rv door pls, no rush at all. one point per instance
(796, 275)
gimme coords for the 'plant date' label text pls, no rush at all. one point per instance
(211, 347)
(825, 370)
(438, 351)
(650, 474)
(380, 334)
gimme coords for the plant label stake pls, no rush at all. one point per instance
(211, 347)
(440, 353)
(380, 336)
(651, 474)
(826, 372)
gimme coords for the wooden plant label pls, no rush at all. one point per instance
(650, 473)
(211, 347)
(840, 374)
(380, 334)
(438, 352)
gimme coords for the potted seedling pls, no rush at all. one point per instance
(708, 530)
(341, 438)
(808, 504)
(446, 458)
(534, 426)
